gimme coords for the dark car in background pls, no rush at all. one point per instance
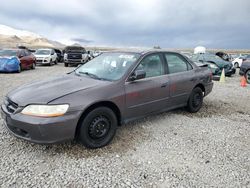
(114, 88)
(16, 60)
(75, 55)
(215, 63)
(245, 70)
(59, 55)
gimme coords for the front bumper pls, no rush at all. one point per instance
(42, 62)
(75, 61)
(41, 130)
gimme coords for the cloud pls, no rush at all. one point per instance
(177, 24)
(81, 40)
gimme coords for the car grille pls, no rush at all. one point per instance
(11, 106)
(74, 56)
(39, 60)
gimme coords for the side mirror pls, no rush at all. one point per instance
(137, 75)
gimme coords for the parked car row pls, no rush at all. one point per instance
(16, 60)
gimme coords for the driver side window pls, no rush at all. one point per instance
(152, 65)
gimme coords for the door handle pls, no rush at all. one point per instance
(164, 85)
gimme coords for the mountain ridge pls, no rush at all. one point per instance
(11, 38)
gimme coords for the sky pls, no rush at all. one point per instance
(134, 23)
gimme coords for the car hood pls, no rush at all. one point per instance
(41, 56)
(44, 92)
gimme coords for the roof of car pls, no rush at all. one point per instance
(141, 51)
(44, 49)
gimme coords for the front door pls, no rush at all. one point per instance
(150, 94)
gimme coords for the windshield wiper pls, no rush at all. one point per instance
(90, 75)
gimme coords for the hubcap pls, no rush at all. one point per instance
(99, 127)
(248, 76)
(196, 100)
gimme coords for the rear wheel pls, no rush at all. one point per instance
(195, 100)
(248, 76)
(66, 64)
(56, 62)
(236, 65)
(98, 128)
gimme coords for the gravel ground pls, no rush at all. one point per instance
(175, 149)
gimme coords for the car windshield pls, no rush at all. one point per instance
(42, 52)
(108, 66)
(8, 52)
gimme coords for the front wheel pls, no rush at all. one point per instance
(98, 128)
(19, 68)
(50, 62)
(66, 64)
(33, 66)
(248, 76)
(195, 100)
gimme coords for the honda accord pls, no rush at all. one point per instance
(89, 103)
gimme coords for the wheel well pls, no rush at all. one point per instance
(108, 104)
(202, 87)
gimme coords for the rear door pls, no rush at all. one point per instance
(182, 78)
(151, 93)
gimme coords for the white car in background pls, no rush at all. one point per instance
(46, 56)
(237, 62)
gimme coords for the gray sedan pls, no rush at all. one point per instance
(89, 103)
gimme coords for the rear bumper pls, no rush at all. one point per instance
(230, 72)
(208, 88)
(41, 130)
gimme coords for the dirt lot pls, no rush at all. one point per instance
(173, 149)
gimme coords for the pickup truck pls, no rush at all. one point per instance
(75, 55)
(112, 89)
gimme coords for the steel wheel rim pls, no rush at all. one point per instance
(197, 98)
(99, 127)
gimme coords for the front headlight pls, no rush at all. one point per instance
(212, 65)
(45, 110)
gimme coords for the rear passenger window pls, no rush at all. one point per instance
(177, 64)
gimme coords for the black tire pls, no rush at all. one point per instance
(19, 68)
(50, 62)
(33, 66)
(247, 75)
(56, 62)
(66, 64)
(236, 65)
(195, 100)
(98, 128)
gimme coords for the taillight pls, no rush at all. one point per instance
(211, 76)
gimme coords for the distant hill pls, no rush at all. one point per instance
(10, 37)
